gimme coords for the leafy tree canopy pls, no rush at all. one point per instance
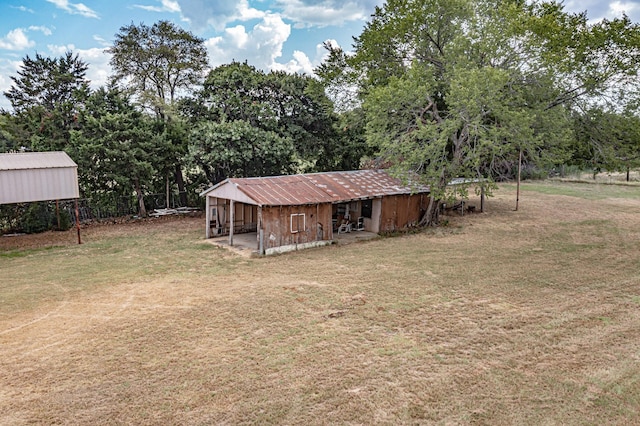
(46, 95)
(238, 149)
(115, 147)
(293, 106)
(457, 88)
(157, 62)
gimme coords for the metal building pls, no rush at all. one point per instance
(37, 176)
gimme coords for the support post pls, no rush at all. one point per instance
(260, 232)
(78, 222)
(518, 185)
(232, 217)
(208, 217)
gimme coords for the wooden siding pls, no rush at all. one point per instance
(277, 225)
(402, 211)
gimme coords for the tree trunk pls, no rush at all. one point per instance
(142, 210)
(180, 181)
(628, 170)
(431, 216)
(168, 199)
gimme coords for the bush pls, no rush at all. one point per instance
(39, 217)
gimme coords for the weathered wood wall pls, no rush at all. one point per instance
(402, 211)
(277, 225)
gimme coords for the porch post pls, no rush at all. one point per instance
(208, 217)
(232, 217)
(260, 232)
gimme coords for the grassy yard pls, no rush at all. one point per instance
(528, 317)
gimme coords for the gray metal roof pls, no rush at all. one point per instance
(329, 187)
(35, 160)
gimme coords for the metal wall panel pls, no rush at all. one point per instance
(26, 185)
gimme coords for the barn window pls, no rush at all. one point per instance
(367, 207)
(297, 222)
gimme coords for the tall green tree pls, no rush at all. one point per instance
(238, 149)
(115, 147)
(160, 63)
(46, 95)
(606, 140)
(293, 106)
(458, 88)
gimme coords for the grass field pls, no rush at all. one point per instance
(528, 317)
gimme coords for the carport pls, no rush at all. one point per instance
(39, 176)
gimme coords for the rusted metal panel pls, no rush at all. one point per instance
(314, 188)
(37, 176)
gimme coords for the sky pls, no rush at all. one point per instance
(268, 34)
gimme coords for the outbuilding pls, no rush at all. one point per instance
(38, 176)
(308, 210)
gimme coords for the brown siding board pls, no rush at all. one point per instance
(277, 224)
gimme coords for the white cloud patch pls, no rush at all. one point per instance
(7, 68)
(323, 13)
(74, 8)
(44, 30)
(261, 46)
(23, 9)
(617, 8)
(16, 40)
(170, 6)
(203, 14)
(598, 10)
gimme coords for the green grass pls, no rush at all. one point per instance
(587, 191)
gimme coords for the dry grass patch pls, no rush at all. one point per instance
(505, 317)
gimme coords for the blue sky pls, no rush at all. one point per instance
(269, 34)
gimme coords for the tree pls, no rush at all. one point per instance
(115, 147)
(458, 88)
(293, 106)
(607, 140)
(46, 95)
(158, 64)
(238, 149)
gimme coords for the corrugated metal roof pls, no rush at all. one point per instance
(35, 160)
(315, 188)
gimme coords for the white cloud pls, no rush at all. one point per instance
(170, 6)
(617, 8)
(74, 8)
(16, 40)
(598, 10)
(23, 9)
(261, 46)
(299, 64)
(323, 13)
(44, 30)
(203, 14)
(7, 68)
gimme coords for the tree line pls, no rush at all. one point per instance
(433, 89)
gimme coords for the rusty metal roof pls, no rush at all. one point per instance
(329, 187)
